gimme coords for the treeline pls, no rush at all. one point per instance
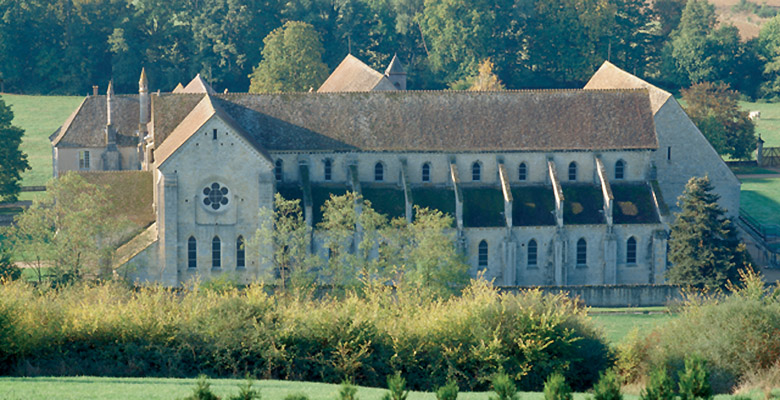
(66, 46)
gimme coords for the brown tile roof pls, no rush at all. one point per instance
(86, 126)
(198, 85)
(168, 110)
(447, 121)
(611, 77)
(353, 75)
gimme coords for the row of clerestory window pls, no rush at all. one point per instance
(532, 256)
(425, 172)
(216, 252)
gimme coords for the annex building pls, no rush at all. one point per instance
(547, 187)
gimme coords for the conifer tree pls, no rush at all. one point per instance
(12, 161)
(704, 248)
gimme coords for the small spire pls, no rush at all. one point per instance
(395, 67)
(110, 90)
(143, 81)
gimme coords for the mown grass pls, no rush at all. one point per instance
(39, 116)
(760, 198)
(768, 126)
(617, 326)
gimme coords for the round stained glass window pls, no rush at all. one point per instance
(215, 196)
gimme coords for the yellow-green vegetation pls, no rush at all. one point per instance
(39, 116)
(110, 330)
(760, 198)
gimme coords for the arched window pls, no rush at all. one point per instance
(426, 172)
(573, 171)
(620, 169)
(522, 172)
(631, 250)
(379, 172)
(476, 171)
(240, 252)
(328, 169)
(192, 253)
(482, 254)
(278, 171)
(582, 252)
(533, 253)
(216, 252)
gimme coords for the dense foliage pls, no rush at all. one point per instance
(111, 330)
(12, 161)
(66, 46)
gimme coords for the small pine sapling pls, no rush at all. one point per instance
(246, 392)
(397, 386)
(608, 387)
(296, 396)
(202, 390)
(348, 391)
(694, 380)
(659, 386)
(448, 391)
(504, 387)
(556, 388)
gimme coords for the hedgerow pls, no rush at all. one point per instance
(112, 330)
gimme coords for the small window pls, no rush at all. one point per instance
(669, 153)
(84, 159)
(631, 250)
(426, 172)
(216, 252)
(522, 172)
(279, 170)
(482, 254)
(240, 253)
(476, 171)
(379, 172)
(192, 253)
(214, 134)
(620, 169)
(532, 254)
(573, 171)
(582, 253)
(328, 169)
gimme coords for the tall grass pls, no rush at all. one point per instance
(112, 330)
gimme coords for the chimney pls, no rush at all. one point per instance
(110, 132)
(94, 90)
(144, 103)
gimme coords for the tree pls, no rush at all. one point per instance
(486, 80)
(12, 160)
(292, 60)
(704, 248)
(715, 111)
(769, 52)
(73, 227)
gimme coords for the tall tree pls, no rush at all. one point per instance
(292, 60)
(715, 111)
(769, 52)
(704, 248)
(12, 160)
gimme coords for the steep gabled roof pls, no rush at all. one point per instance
(200, 114)
(178, 88)
(611, 77)
(353, 75)
(197, 85)
(395, 67)
(86, 126)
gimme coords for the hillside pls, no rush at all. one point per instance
(748, 23)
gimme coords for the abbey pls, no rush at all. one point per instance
(558, 187)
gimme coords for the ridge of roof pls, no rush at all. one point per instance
(178, 88)
(609, 76)
(352, 75)
(445, 91)
(198, 85)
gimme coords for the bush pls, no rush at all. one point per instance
(694, 381)
(245, 391)
(348, 391)
(448, 391)
(202, 390)
(556, 388)
(397, 386)
(607, 387)
(659, 386)
(504, 387)
(8, 270)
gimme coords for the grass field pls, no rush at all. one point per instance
(768, 126)
(617, 326)
(39, 116)
(760, 198)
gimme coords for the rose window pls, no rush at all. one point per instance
(215, 196)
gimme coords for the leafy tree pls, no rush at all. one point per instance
(633, 43)
(292, 60)
(769, 52)
(703, 248)
(74, 227)
(12, 161)
(486, 80)
(715, 111)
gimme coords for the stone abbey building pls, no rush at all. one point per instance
(547, 187)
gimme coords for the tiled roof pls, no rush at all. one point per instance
(86, 126)
(395, 66)
(168, 110)
(353, 75)
(611, 77)
(447, 121)
(197, 85)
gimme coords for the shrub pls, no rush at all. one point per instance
(556, 388)
(607, 387)
(448, 391)
(659, 386)
(397, 386)
(8, 270)
(504, 387)
(245, 391)
(202, 390)
(348, 391)
(694, 381)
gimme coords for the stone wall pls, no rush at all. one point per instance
(614, 295)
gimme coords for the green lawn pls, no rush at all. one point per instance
(769, 123)
(617, 326)
(39, 116)
(760, 198)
